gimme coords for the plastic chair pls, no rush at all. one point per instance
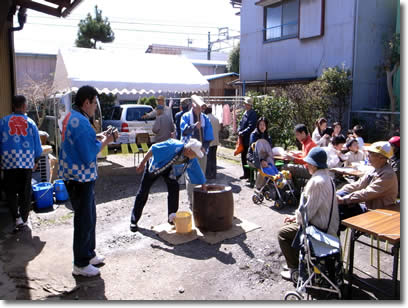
(145, 148)
(135, 150)
(253, 173)
(124, 148)
(104, 151)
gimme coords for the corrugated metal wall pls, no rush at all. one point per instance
(35, 67)
(5, 80)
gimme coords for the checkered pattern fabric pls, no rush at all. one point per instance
(17, 159)
(79, 173)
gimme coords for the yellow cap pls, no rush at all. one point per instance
(381, 147)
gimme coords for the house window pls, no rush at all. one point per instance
(281, 20)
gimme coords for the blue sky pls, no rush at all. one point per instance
(136, 24)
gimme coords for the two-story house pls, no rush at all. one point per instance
(287, 41)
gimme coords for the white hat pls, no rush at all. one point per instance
(195, 145)
(249, 101)
(198, 100)
(381, 147)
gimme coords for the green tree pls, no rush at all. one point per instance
(307, 103)
(107, 102)
(390, 66)
(151, 101)
(233, 60)
(336, 87)
(92, 30)
(284, 107)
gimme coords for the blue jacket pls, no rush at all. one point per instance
(163, 152)
(77, 160)
(188, 129)
(256, 135)
(20, 145)
(177, 121)
(247, 125)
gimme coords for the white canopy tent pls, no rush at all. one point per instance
(121, 72)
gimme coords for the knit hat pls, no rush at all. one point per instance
(381, 147)
(395, 141)
(317, 157)
(195, 145)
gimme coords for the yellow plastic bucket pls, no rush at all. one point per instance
(183, 222)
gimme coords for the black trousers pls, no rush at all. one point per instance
(211, 170)
(17, 183)
(244, 161)
(82, 197)
(142, 195)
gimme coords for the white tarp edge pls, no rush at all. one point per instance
(120, 72)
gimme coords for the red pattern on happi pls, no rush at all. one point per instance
(64, 126)
(18, 126)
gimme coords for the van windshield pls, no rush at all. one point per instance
(135, 114)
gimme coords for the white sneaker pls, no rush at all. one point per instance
(19, 222)
(97, 260)
(87, 271)
(287, 274)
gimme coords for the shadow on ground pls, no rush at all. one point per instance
(17, 249)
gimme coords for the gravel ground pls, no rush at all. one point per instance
(38, 264)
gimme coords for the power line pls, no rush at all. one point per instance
(150, 31)
(120, 29)
(140, 23)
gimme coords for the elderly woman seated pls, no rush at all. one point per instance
(321, 206)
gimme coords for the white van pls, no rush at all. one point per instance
(127, 118)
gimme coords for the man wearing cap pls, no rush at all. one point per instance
(378, 188)
(163, 127)
(319, 201)
(184, 107)
(166, 109)
(195, 124)
(395, 159)
(169, 159)
(246, 127)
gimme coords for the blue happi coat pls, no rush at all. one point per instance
(163, 153)
(188, 129)
(20, 145)
(79, 149)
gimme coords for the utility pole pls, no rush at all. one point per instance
(209, 46)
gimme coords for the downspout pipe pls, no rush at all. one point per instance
(355, 37)
(22, 18)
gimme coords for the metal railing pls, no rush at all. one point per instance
(281, 31)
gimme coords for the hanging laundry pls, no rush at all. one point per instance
(218, 112)
(226, 115)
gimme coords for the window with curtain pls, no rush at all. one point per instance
(281, 20)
